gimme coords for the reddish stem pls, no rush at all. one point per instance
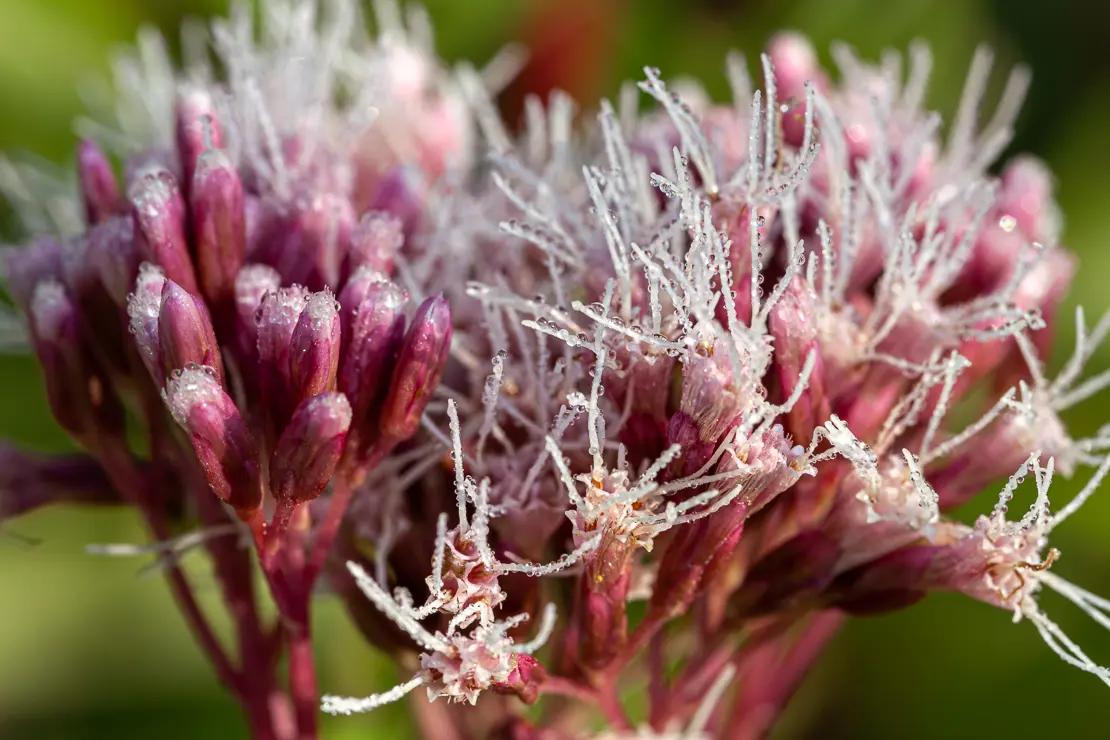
(120, 467)
(771, 677)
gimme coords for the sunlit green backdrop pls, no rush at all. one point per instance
(88, 649)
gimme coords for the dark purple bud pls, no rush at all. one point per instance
(144, 305)
(420, 365)
(277, 319)
(99, 189)
(219, 225)
(309, 246)
(220, 438)
(375, 243)
(26, 267)
(159, 213)
(197, 130)
(185, 332)
(53, 324)
(373, 339)
(309, 448)
(402, 193)
(252, 283)
(80, 398)
(111, 250)
(314, 359)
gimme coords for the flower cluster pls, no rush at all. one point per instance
(725, 343)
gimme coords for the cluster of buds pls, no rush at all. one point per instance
(725, 342)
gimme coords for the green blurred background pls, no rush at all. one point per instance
(89, 649)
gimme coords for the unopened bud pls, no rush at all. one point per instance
(252, 283)
(99, 189)
(186, 336)
(159, 213)
(420, 365)
(144, 304)
(309, 448)
(220, 438)
(314, 355)
(111, 250)
(197, 130)
(402, 193)
(277, 319)
(376, 330)
(80, 398)
(375, 242)
(219, 225)
(25, 268)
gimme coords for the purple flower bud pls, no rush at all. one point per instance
(111, 250)
(80, 398)
(309, 448)
(309, 245)
(99, 189)
(277, 319)
(402, 193)
(314, 355)
(185, 332)
(420, 365)
(159, 213)
(144, 305)
(197, 131)
(374, 243)
(373, 337)
(219, 225)
(252, 283)
(25, 268)
(221, 440)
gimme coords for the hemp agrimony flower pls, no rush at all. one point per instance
(497, 386)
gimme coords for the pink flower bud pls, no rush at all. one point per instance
(80, 398)
(375, 242)
(376, 330)
(277, 319)
(25, 268)
(420, 365)
(314, 355)
(220, 438)
(525, 679)
(309, 448)
(1026, 198)
(252, 283)
(111, 250)
(402, 193)
(197, 131)
(99, 189)
(159, 213)
(144, 305)
(219, 225)
(794, 62)
(309, 245)
(185, 332)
